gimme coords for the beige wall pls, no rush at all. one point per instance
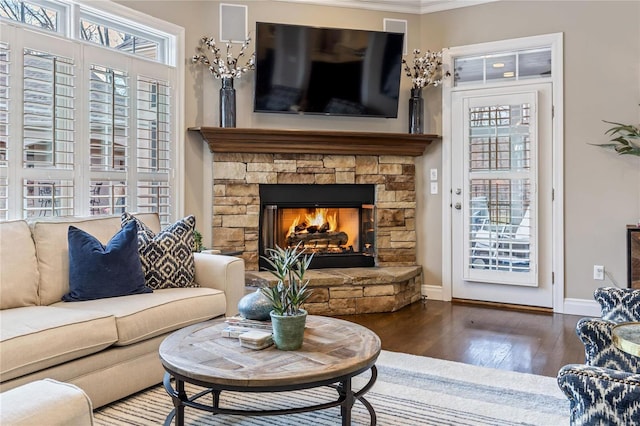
(602, 81)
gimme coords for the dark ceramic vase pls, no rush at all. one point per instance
(416, 112)
(227, 103)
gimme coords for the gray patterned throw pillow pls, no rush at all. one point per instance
(166, 257)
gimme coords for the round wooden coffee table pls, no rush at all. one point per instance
(333, 352)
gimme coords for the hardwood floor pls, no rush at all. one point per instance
(529, 342)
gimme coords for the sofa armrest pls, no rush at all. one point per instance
(225, 273)
(46, 402)
(600, 395)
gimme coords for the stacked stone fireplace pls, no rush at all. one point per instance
(393, 281)
(236, 206)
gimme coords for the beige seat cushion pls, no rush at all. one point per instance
(142, 316)
(18, 266)
(38, 337)
(50, 238)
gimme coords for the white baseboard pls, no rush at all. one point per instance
(584, 307)
(433, 292)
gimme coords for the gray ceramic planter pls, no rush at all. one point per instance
(288, 331)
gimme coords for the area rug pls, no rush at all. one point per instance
(410, 390)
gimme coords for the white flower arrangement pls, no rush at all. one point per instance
(426, 70)
(220, 66)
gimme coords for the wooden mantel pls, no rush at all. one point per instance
(276, 141)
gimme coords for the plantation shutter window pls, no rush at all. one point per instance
(48, 110)
(108, 118)
(85, 126)
(46, 143)
(154, 147)
(4, 130)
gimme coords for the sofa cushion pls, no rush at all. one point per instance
(50, 237)
(142, 316)
(19, 277)
(167, 257)
(97, 271)
(37, 337)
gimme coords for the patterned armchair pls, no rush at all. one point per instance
(601, 396)
(605, 391)
(618, 304)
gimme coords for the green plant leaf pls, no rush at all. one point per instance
(289, 266)
(623, 136)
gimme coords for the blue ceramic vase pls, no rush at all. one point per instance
(255, 306)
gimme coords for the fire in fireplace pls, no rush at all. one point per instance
(335, 222)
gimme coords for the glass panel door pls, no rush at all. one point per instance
(499, 181)
(501, 227)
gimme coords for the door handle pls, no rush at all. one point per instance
(457, 206)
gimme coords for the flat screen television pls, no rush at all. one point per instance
(330, 71)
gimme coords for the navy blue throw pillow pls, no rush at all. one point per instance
(96, 271)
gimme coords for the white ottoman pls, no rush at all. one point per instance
(45, 402)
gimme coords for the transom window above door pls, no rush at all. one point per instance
(503, 66)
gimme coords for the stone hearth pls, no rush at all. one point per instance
(346, 291)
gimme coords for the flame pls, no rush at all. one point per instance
(318, 218)
(292, 228)
(321, 217)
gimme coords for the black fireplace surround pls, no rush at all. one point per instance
(346, 239)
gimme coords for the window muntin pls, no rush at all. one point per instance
(48, 110)
(31, 14)
(505, 66)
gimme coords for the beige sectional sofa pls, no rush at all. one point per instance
(107, 347)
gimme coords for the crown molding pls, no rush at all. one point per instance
(417, 7)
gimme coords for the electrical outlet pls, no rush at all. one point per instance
(434, 187)
(598, 272)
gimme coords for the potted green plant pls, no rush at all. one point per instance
(623, 139)
(288, 319)
(197, 241)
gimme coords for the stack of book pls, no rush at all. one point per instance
(239, 321)
(251, 333)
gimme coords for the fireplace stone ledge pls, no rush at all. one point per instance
(347, 291)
